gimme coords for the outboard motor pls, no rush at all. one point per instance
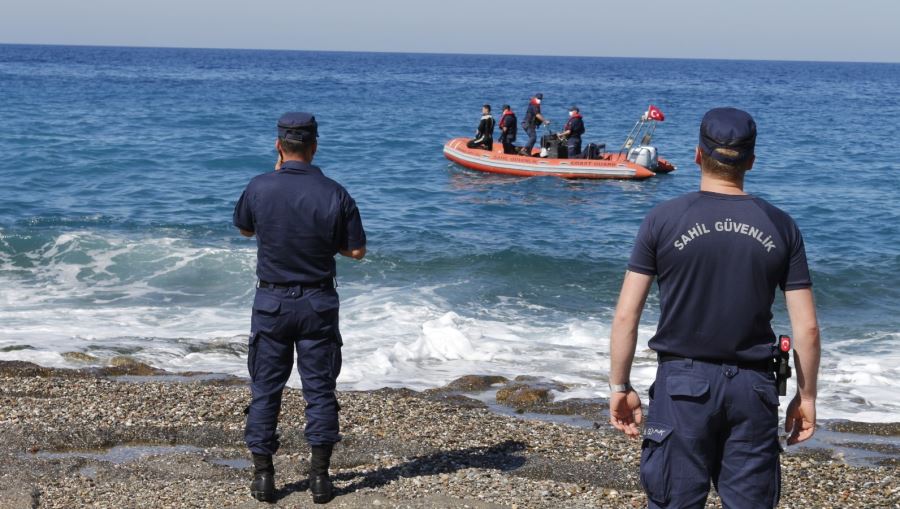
(644, 155)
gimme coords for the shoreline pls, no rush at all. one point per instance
(123, 437)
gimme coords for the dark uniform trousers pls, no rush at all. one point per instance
(298, 318)
(710, 421)
(531, 131)
(573, 146)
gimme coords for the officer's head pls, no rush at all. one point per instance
(486, 109)
(297, 135)
(727, 143)
(506, 107)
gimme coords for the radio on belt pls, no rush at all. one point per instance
(782, 365)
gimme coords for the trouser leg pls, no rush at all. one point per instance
(532, 139)
(319, 364)
(573, 147)
(270, 362)
(680, 437)
(750, 473)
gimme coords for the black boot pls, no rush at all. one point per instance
(263, 486)
(319, 483)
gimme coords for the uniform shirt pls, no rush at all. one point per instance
(576, 126)
(301, 219)
(508, 120)
(719, 259)
(531, 115)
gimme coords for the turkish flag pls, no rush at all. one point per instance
(654, 113)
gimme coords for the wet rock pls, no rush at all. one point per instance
(522, 395)
(123, 365)
(888, 429)
(475, 383)
(78, 357)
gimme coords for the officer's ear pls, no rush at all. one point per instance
(698, 156)
(278, 145)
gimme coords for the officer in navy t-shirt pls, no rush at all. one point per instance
(301, 220)
(718, 256)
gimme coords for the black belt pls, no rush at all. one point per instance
(328, 283)
(763, 365)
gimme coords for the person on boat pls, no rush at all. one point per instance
(484, 136)
(301, 219)
(572, 132)
(718, 257)
(533, 118)
(508, 130)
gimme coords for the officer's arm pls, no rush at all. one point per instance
(246, 233)
(623, 338)
(800, 420)
(356, 254)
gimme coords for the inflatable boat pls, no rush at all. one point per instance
(631, 162)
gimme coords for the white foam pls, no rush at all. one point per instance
(109, 295)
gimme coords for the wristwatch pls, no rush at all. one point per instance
(625, 387)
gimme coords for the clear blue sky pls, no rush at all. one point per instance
(865, 30)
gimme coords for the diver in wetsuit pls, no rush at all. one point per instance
(484, 136)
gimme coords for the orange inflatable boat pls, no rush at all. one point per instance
(632, 162)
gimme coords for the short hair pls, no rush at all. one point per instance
(295, 147)
(732, 172)
(506, 107)
(487, 107)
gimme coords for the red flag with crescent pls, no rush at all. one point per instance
(654, 113)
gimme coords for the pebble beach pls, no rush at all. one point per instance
(132, 436)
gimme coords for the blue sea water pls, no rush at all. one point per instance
(120, 168)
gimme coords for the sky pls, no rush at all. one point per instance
(830, 30)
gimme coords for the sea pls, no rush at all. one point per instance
(120, 168)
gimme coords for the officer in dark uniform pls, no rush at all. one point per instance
(573, 131)
(508, 130)
(301, 220)
(718, 255)
(533, 118)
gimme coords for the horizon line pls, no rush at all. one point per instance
(474, 54)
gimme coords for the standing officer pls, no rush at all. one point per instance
(533, 118)
(572, 131)
(508, 130)
(301, 219)
(718, 255)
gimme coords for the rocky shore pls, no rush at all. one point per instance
(130, 436)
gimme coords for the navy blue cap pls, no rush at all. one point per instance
(539, 96)
(298, 126)
(728, 128)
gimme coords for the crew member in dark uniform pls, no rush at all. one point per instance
(484, 136)
(533, 118)
(301, 220)
(718, 256)
(508, 130)
(573, 131)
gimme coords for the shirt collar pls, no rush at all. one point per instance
(300, 167)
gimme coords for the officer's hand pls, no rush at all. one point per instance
(625, 412)
(546, 122)
(800, 420)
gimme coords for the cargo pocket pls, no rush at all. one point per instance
(325, 305)
(655, 462)
(251, 353)
(265, 313)
(686, 387)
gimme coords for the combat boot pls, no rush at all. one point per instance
(263, 486)
(319, 482)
